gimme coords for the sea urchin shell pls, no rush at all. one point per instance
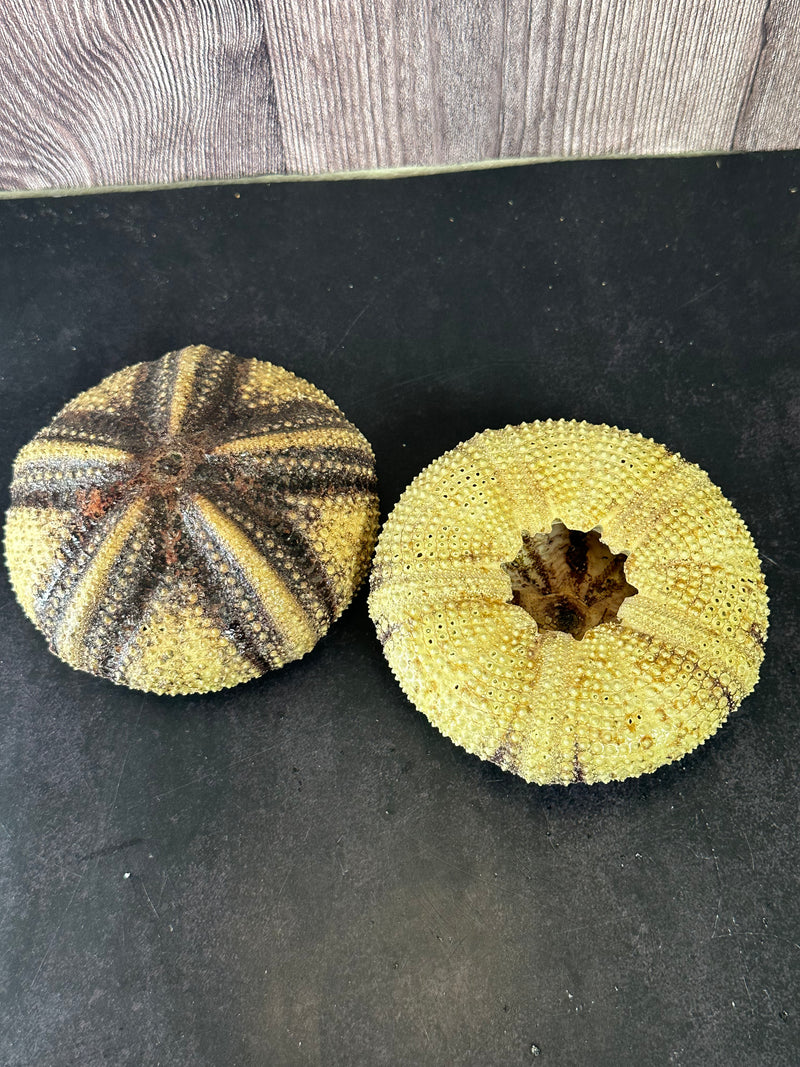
(571, 602)
(191, 523)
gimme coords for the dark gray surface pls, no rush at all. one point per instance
(301, 870)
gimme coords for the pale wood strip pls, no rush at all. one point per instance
(770, 112)
(100, 92)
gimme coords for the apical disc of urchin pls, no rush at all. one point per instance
(191, 523)
(572, 602)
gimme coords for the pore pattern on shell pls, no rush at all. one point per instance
(647, 679)
(191, 523)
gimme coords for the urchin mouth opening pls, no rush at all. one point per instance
(172, 463)
(568, 580)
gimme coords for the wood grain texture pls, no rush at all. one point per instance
(140, 92)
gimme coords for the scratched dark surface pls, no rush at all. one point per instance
(301, 871)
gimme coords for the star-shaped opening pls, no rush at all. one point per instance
(568, 580)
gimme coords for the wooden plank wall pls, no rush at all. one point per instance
(140, 92)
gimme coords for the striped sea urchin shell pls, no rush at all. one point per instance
(191, 523)
(534, 644)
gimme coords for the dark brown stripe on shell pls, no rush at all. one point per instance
(280, 533)
(76, 495)
(124, 429)
(155, 391)
(256, 652)
(206, 542)
(141, 404)
(385, 632)
(506, 755)
(214, 392)
(578, 773)
(78, 548)
(286, 417)
(127, 595)
(339, 470)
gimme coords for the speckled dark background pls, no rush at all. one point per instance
(301, 870)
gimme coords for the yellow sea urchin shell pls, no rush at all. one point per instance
(532, 643)
(191, 523)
